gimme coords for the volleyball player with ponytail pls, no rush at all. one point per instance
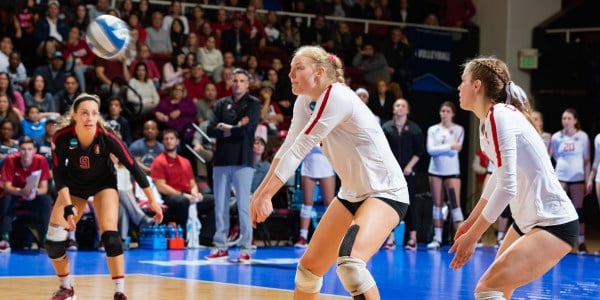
(373, 197)
(545, 224)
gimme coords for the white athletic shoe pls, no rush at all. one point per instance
(434, 245)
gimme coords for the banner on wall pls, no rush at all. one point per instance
(432, 68)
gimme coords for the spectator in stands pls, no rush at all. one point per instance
(362, 9)
(131, 51)
(338, 9)
(254, 28)
(342, 37)
(51, 25)
(194, 84)
(457, 13)
(15, 170)
(78, 55)
(142, 87)
(234, 124)
(408, 145)
(174, 70)
(197, 19)
(8, 113)
(211, 59)
(290, 37)
(64, 99)
(222, 23)
(224, 88)
(205, 105)
(174, 178)
(15, 97)
(256, 73)
(431, 19)
(144, 55)
(270, 113)
(236, 40)
(397, 53)
(178, 37)
(37, 94)
(319, 34)
(372, 63)
(176, 13)
(16, 71)
(206, 32)
(126, 9)
(109, 70)
(158, 38)
(363, 94)
(134, 23)
(53, 73)
(81, 18)
(191, 44)
(26, 15)
(176, 110)
(379, 31)
(143, 10)
(6, 47)
(406, 13)
(146, 148)
(43, 142)
(101, 8)
(32, 124)
(114, 118)
(229, 60)
(260, 163)
(272, 29)
(381, 103)
(8, 144)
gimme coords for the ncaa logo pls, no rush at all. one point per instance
(73, 143)
(312, 106)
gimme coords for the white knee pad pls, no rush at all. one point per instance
(306, 211)
(306, 281)
(354, 275)
(457, 215)
(437, 213)
(491, 295)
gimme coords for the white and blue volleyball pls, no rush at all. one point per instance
(108, 36)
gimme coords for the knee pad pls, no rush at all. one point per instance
(354, 275)
(491, 295)
(56, 242)
(581, 215)
(437, 213)
(306, 211)
(112, 243)
(457, 215)
(306, 281)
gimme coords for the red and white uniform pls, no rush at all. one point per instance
(523, 177)
(444, 161)
(596, 163)
(570, 154)
(351, 139)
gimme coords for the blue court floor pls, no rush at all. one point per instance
(400, 274)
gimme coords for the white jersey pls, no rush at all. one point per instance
(523, 177)
(351, 139)
(570, 154)
(316, 165)
(596, 157)
(444, 160)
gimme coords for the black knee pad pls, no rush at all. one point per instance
(581, 215)
(112, 243)
(56, 250)
(348, 241)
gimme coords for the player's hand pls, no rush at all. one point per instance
(71, 225)
(260, 209)
(158, 214)
(464, 247)
(462, 229)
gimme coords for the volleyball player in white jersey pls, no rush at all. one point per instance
(594, 176)
(373, 197)
(538, 123)
(545, 227)
(444, 142)
(570, 148)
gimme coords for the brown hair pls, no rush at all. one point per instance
(575, 115)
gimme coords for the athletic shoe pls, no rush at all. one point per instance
(101, 247)
(583, 249)
(244, 258)
(72, 245)
(64, 294)
(411, 245)
(301, 243)
(234, 236)
(389, 245)
(218, 255)
(4, 246)
(119, 296)
(434, 245)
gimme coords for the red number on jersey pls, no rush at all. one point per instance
(84, 162)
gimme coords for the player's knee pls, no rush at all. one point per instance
(306, 211)
(306, 281)
(56, 242)
(112, 243)
(457, 215)
(354, 275)
(489, 295)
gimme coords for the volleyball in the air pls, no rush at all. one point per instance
(108, 36)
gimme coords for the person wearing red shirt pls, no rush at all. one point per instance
(194, 84)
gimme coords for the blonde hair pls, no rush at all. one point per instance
(68, 120)
(332, 64)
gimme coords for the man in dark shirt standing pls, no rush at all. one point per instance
(233, 125)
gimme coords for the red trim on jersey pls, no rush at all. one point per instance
(58, 134)
(495, 137)
(320, 112)
(120, 143)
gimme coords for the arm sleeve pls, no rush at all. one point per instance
(506, 173)
(432, 148)
(118, 148)
(330, 112)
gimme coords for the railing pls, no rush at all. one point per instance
(568, 31)
(310, 17)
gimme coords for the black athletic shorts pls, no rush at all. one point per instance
(399, 207)
(88, 191)
(567, 232)
(444, 177)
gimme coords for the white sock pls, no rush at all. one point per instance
(437, 234)
(304, 233)
(500, 235)
(119, 284)
(66, 281)
(581, 238)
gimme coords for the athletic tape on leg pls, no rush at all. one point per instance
(452, 197)
(348, 241)
(491, 295)
(354, 275)
(306, 281)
